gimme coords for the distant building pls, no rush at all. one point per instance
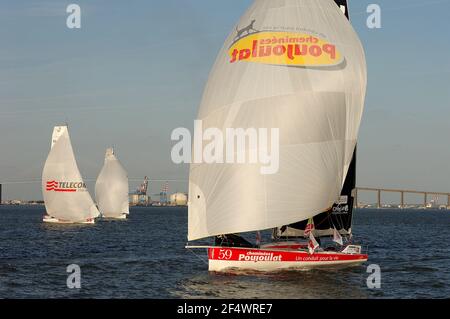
(140, 197)
(134, 199)
(139, 200)
(178, 199)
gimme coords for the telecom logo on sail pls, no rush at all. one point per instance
(285, 48)
(69, 187)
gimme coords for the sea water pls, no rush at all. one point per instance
(144, 257)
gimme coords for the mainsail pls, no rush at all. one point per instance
(294, 65)
(65, 194)
(111, 188)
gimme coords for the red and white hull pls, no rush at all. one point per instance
(223, 259)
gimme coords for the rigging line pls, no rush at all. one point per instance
(338, 218)
(19, 182)
(202, 259)
(327, 217)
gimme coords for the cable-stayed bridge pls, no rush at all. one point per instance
(426, 195)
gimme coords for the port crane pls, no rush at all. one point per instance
(142, 189)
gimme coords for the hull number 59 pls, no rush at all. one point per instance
(225, 254)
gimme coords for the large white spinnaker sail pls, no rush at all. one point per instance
(111, 188)
(299, 66)
(65, 194)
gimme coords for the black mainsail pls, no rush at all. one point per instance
(344, 6)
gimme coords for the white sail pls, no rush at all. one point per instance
(65, 194)
(299, 66)
(111, 188)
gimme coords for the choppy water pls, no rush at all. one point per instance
(144, 257)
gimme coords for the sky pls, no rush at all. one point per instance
(137, 69)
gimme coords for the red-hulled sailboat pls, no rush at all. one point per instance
(299, 66)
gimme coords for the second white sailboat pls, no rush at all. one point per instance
(111, 188)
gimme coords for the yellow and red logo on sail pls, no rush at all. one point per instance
(285, 48)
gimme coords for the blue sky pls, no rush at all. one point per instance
(136, 70)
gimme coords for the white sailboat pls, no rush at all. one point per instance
(111, 188)
(299, 66)
(66, 198)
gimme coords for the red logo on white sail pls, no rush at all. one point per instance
(64, 187)
(51, 186)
